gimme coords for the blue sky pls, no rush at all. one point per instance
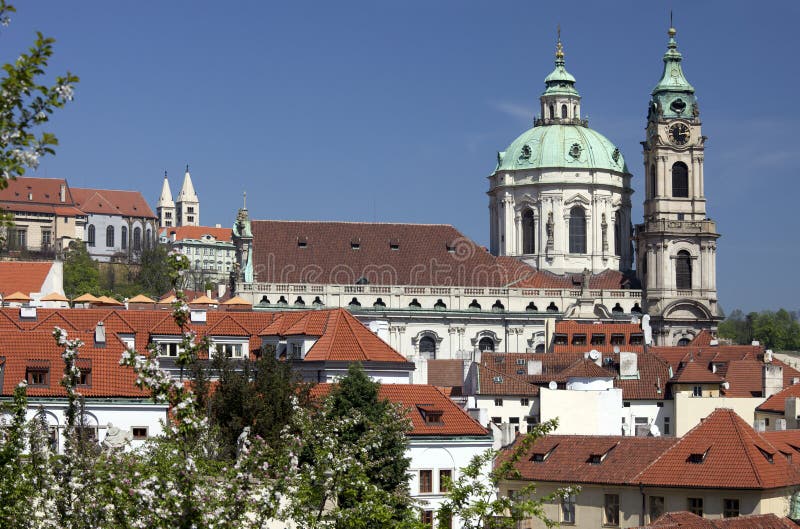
(395, 111)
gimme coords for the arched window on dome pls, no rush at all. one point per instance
(680, 180)
(683, 270)
(617, 234)
(528, 233)
(653, 188)
(563, 111)
(552, 112)
(577, 230)
(574, 111)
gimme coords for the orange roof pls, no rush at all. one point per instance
(17, 296)
(695, 372)
(688, 520)
(23, 276)
(54, 296)
(168, 299)
(586, 368)
(236, 301)
(344, 338)
(418, 399)
(727, 454)
(112, 202)
(446, 373)
(588, 331)
(40, 191)
(105, 300)
(182, 233)
(141, 298)
(203, 300)
(493, 382)
(777, 402)
(86, 298)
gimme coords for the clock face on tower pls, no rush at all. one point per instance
(679, 134)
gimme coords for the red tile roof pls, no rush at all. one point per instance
(455, 421)
(695, 372)
(732, 456)
(494, 382)
(570, 458)
(448, 373)
(44, 191)
(27, 277)
(605, 280)
(572, 328)
(112, 202)
(344, 338)
(687, 520)
(777, 402)
(183, 233)
(585, 368)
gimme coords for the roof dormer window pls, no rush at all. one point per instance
(541, 457)
(430, 414)
(698, 457)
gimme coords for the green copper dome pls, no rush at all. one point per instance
(561, 146)
(673, 96)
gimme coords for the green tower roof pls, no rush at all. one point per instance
(562, 146)
(673, 96)
(560, 81)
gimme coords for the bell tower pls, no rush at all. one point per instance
(676, 244)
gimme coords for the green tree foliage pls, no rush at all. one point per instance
(81, 275)
(778, 330)
(260, 395)
(154, 277)
(26, 104)
(472, 497)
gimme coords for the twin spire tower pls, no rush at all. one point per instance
(183, 212)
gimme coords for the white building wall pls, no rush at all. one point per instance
(586, 412)
(660, 416)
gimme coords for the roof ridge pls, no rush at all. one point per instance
(356, 222)
(342, 312)
(738, 428)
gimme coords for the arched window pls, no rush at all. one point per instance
(498, 306)
(124, 237)
(137, 239)
(636, 309)
(475, 305)
(683, 270)
(110, 237)
(563, 111)
(653, 188)
(577, 230)
(574, 111)
(486, 344)
(300, 302)
(617, 234)
(90, 235)
(148, 239)
(617, 309)
(680, 180)
(552, 112)
(532, 307)
(683, 342)
(427, 347)
(379, 303)
(528, 233)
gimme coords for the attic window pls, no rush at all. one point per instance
(497, 380)
(598, 339)
(637, 339)
(560, 339)
(302, 242)
(578, 339)
(355, 244)
(617, 339)
(698, 457)
(520, 361)
(430, 414)
(498, 359)
(37, 376)
(450, 247)
(767, 455)
(394, 244)
(541, 457)
(596, 459)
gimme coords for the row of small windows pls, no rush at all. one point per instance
(564, 111)
(91, 237)
(680, 180)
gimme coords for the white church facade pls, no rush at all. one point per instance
(561, 242)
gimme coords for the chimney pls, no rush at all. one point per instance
(62, 193)
(771, 379)
(534, 367)
(100, 334)
(790, 411)
(628, 365)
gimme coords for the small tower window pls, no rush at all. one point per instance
(528, 233)
(563, 111)
(683, 270)
(617, 234)
(552, 112)
(680, 180)
(653, 188)
(574, 111)
(577, 230)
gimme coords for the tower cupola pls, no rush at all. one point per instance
(673, 96)
(561, 102)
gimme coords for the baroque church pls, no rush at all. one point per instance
(561, 242)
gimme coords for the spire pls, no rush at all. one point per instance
(673, 96)
(187, 193)
(165, 200)
(560, 81)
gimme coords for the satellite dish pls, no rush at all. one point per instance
(635, 320)
(594, 354)
(726, 385)
(616, 349)
(654, 431)
(553, 384)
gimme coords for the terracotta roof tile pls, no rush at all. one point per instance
(112, 202)
(777, 402)
(585, 368)
(695, 372)
(723, 451)
(572, 329)
(23, 276)
(182, 233)
(347, 339)
(493, 382)
(44, 191)
(446, 373)
(605, 280)
(687, 520)
(454, 421)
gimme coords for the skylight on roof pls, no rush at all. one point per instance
(698, 457)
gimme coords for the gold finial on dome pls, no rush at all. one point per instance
(559, 47)
(672, 31)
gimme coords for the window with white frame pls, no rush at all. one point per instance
(171, 349)
(229, 349)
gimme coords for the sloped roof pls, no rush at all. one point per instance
(605, 280)
(695, 372)
(494, 382)
(446, 372)
(687, 520)
(777, 402)
(112, 202)
(23, 276)
(344, 338)
(454, 422)
(54, 296)
(735, 457)
(44, 191)
(196, 233)
(570, 460)
(585, 368)
(17, 296)
(141, 298)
